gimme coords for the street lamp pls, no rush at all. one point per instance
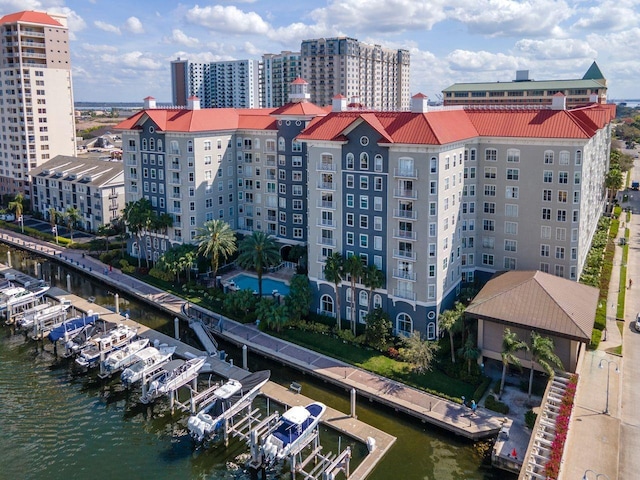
(21, 220)
(54, 230)
(598, 475)
(609, 363)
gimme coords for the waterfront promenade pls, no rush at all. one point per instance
(427, 408)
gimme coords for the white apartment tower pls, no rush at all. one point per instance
(375, 77)
(278, 71)
(36, 102)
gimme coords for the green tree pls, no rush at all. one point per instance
(418, 353)
(469, 351)
(105, 231)
(542, 353)
(72, 217)
(240, 303)
(17, 205)
(216, 239)
(300, 297)
(378, 330)
(450, 321)
(372, 279)
(353, 267)
(258, 251)
(160, 225)
(334, 273)
(613, 183)
(137, 217)
(511, 345)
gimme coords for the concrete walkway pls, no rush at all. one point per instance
(428, 408)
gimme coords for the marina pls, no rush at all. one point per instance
(224, 368)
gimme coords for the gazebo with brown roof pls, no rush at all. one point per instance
(527, 301)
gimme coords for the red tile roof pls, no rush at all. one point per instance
(299, 81)
(301, 109)
(29, 16)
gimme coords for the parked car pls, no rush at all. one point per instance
(7, 217)
(637, 324)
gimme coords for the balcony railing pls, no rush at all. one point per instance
(404, 193)
(326, 185)
(405, 214)
(326, 204)
(330, 242)
(326, 223)
(405, 172)
(404, 275)
(404, 255)
(326, 167)
(322, 258)
(406, 294)
(405, 234)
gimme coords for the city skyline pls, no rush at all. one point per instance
(122, 51)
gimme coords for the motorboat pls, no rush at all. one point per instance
(70, 328)
(124, 357)
(40, 317)
(225, 401)
(147, 362)
(9, 295)
(173, 374)
(104, 344)
(29, 313)
(39, 288)
(296, 425)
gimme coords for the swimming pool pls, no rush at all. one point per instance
(244, 281)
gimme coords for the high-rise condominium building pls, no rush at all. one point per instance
(278, 71)
(36, 106)
(231, 84)
(591, 88)
(373, 76)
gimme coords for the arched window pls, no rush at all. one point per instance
(578, 157)
(152, 144)
(363, 298)
(431, 331)
(378, 163)
(159, 145)
(404, 324)
(548, 157)
(144, 143)
(190, 146)
(350, 161)
(348, 295)
(326, 304)
(364, 161)
(377, 301)
(134, 249)
(281, 144)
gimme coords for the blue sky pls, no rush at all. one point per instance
(121, 50)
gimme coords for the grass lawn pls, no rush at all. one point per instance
(434, 381)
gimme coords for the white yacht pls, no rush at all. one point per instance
(148, 362)
(124, 357)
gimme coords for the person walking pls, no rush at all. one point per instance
(630, 283)
(474, 406)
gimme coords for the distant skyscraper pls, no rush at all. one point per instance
(377, 77)
(232, 84)
(37, 98)
(278, 71)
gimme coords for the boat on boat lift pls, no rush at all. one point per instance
(148, 361)
(173, 375)
(123, 357)
(40, 317)
(104, 344)
(225, 401)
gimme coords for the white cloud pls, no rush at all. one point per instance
(181, 38)
(99, 48)
(609, 15)
(554, 48)
(513, 18)
(107, 27)
(228, 20)
(481, 61)
(133, 25)
(201, 57)
(134, 60)
(296, 32)
(617, 46)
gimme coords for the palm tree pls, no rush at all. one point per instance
(137, 217)
(353, 267)
(217, 239)
(258, 251)
(449, 322)
(511, 344)
(542, 354)
(469, 351)
(17, 205)
(334, 273)
(160, 224)
(72, 216)
(373, 279)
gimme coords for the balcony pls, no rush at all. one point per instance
(404, 275)
(174, 166)
(405, 172)
(326, 167)
(404, 193)
(326, 204)
(111, 196)
(326, 185)
(326, 223)
(404, 255)
(329, 242)
(175, 210)
(405, 214)
(405, 234)
(322, 258)
(406, 294)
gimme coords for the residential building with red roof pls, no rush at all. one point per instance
(436, 199)
(38, 112)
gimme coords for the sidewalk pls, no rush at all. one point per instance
(429, 408)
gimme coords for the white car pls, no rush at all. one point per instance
(7, 217)
(637, 324)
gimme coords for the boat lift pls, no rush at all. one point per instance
(19, 305)
(148, 397)
(323, 467)
(46, 322)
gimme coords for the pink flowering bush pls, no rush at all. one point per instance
(552, 467)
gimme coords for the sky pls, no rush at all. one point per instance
(121, 50)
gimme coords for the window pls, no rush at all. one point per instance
(433, 187)
(547, 176)
(350, 219)
(576, 178)
(350, 161)
(364, 221)
(546, 214)
(378, 184)
(512, 192)
(488, 225)
(432, 249)
(544, 267)
(544, 250)
(513, 174)
(575, 216)
(562, 196)
(364, 161)
(578, 158)
(488, 242)
(545, 232)
(326, 304)
(404, 323)
(350, 181)
(511, 228)
(469, 172)
(364, 202)
(513, 155)
(433, 165)
(487, 259)
(546, 195)
(364, 240)
(561, 216)
(563, 158)
(350, 200)
(559, 270)
(377, 245)
(433, 210)
(490, 172)
(510, 210)
(561, 234)
(350, 238)
(491, 155)
(490, 190)
(295, 146)
(377, 223)
(548, 157)
(378, 163)
(509, 263)
(364, 182)
(563, 177)
(560, 253)
(489, 207)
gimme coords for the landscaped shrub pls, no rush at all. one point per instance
(161, 274)
(530, 418)
(126, 268)
(552, 467)
(494, 404)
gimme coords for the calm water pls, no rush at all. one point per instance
(56, 425)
